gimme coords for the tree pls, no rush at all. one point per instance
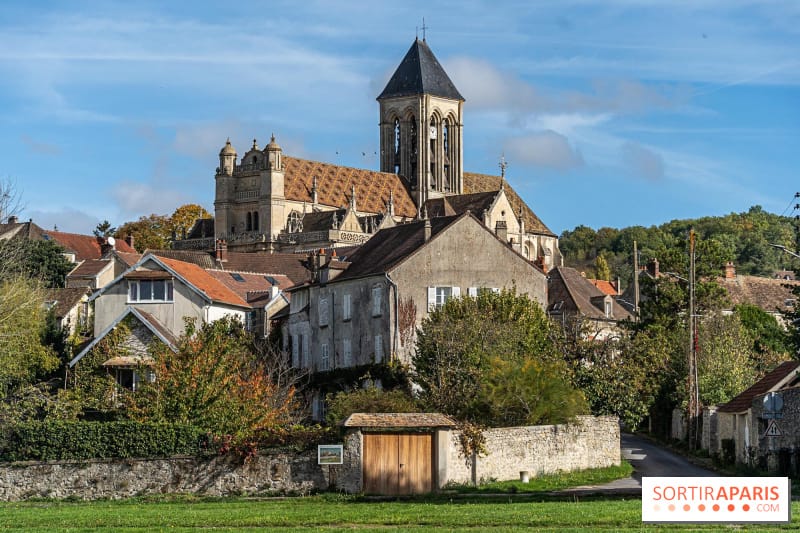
(460, 345)
(151, 232)
(601, 266)
(10, 199)
(725, 362)
(23, 358)
(216, 381)
(369, 400)
(771, 342)
(185, 217)
(104, 229)
(40, 260)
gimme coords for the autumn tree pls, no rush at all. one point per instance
(149, 233)
(214, 380)
(461, 345)
(104, 229)
(185, 217)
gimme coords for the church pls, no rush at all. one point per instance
(266, 201)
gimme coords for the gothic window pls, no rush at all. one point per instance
(255, 220)
(396, 146)
(249, 222)
(446, 178)
(294, 224)
(413, 145)
(433, 134)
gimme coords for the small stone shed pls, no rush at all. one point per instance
(401, 453)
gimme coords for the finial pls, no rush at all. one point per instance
(424, 28)
(353, 197)
(272, 137)
(255, 145)
(503, 166)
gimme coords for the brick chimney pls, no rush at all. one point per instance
(730, 270)
(221, 251)
(652, 268)
(501, 230)
(129, 241)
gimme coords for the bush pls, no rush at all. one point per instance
(44, 441)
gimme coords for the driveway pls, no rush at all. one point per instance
(647, 459)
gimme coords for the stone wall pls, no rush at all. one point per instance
(591, 442)
(268, 473)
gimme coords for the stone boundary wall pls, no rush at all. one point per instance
(591, 442)
(269, 472)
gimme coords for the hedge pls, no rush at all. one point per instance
(44, 441)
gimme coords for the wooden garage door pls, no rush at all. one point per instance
(398, 463)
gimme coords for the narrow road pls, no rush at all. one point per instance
(647, 459)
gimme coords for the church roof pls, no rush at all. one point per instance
(420, 73)
(474, 183)
(321, 220)
(390, 246)
(334, 183)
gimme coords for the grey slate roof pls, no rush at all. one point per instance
(420, 73)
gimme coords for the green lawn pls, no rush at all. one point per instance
(332, 513)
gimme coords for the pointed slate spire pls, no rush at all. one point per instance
(420, 73)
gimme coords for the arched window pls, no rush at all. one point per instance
(294, 223)
(397, 146)
(413, 139)
(446, 178)
(249, 224)
(255, 220)
(433, 135)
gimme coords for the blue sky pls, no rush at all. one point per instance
(612, 113)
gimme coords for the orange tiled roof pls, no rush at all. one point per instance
(474, 183)
(85, 246)
(606, 287)
(205, 282)
(250, 283)
(334, 183)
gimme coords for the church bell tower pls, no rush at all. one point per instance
(421, 122)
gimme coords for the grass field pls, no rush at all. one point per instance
(337, 513)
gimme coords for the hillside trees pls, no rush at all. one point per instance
(478, 359)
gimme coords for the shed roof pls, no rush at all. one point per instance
(399, 420)
(773, 380)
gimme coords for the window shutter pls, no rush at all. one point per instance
(323, 311)
(347, 353)
(324, 362)
(472, 292)
(455, 292)
(378, 348)
(346, 307)
(431, 298)
(295, 352)
(305, 350)
(376, 301)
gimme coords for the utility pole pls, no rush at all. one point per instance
(635, 281)
(692, 384)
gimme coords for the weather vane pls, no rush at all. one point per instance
(503, 165)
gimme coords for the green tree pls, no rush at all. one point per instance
(104, 229)
(771, 342)
(216, 381)
(460, 344)
(725, 362)
(602, 269)
(23, 358)
(369, 400)
(40, 260)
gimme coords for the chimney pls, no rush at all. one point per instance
(501, 230)
(129, 241)
(221, 251)
(106, 245)
(426, 228)
(652, 268)
(322, 258)
(730, 270)
(12, 219)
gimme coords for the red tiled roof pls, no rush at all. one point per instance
(84, 246)
(203, 281)
(128, 258)
(334, 184)
(606, 287)
(274, 264)
(399, 420)
(766, 384)
(250, 283)
(474, 183)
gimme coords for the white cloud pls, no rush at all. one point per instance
(135, 199)
(544, 149)
(67, 219)
(642, 161)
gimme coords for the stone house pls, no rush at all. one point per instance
(157, 294)
(773, 295)
(365, 310)
(573, 300)
(269, 201)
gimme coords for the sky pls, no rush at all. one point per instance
(613, 113)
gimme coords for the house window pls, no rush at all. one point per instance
(437, 296)
(378, 348)
(347, 353)
(304, 351)
(608, 309)
(322, 311)
(324, 358)
(346, 311)
(377, 293)
(158, 290)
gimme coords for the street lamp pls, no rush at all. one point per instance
(785, 250)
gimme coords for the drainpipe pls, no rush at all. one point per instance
(396, 317)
